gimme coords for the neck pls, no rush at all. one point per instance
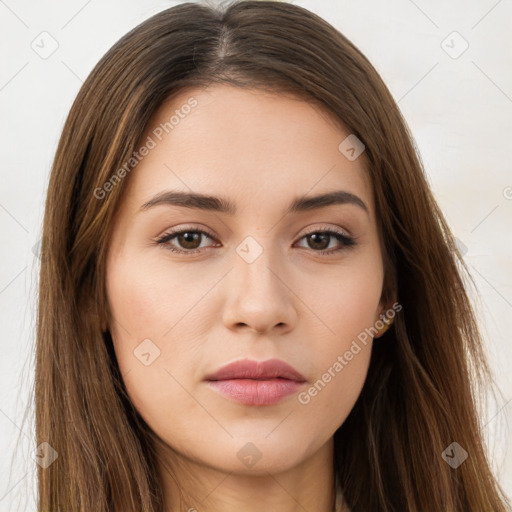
(191, 486)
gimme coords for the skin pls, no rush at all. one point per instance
(204, 310)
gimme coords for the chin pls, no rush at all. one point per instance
(258, 456)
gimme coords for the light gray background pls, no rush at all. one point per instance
(457, 104)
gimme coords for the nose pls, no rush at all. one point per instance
(258, 295)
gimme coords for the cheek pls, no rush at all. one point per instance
(147, 300)
(341, 367)
(341, 357)
(153, 328)
(134, 295)
(338, 382)
(136, 325)
(345, 302)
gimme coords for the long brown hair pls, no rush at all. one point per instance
(421, 391)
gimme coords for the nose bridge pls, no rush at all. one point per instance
(257, 296)
(256, 263)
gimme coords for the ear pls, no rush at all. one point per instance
(386, 318)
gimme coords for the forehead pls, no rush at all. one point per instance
(246, 143)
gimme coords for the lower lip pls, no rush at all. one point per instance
(255, 392)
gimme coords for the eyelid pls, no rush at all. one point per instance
(211, 235)
(171, 233)
(347, 240)
(337, 229)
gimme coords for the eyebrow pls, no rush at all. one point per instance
(222, 205)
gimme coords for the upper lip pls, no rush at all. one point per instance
(259, 370)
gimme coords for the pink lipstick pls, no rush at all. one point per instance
(251, 382)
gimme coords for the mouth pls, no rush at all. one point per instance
(250, 382)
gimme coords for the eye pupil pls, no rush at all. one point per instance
(188, 238)
(316, 236)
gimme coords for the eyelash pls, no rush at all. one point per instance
(347, 241)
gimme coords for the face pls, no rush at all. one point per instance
(194, 284)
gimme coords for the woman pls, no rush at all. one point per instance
(249, 298)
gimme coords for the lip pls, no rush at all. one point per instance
(251, 382)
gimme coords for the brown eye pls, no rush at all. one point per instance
(320, 240)
(189, 239)
(185, 241)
